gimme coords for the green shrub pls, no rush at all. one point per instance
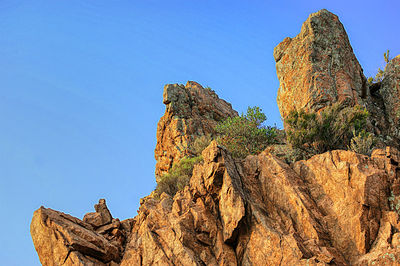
(333, 128)
(246, 134)
(200, 143)
(363, 142)
(178, 176)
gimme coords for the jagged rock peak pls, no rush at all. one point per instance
(191, 111)
(318, 67)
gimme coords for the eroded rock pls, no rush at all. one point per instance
(329, 209)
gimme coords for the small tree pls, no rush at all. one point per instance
(246, 134)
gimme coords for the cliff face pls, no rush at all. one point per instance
(191, 111)
(336, 208)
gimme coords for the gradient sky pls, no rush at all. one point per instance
(81, 89)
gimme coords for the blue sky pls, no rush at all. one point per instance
(81, 89)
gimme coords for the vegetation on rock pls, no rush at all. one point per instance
(200, 143)
(178, 176)
(381, 73)
(310, 133)
(246, 134)
(362, 143)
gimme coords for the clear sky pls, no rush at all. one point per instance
(81, 89)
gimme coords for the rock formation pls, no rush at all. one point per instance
(191, 111)
(326, 210)
(61, 239)
(318, 64)
(336, 208)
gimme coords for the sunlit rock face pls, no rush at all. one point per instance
(318, 67)
(337, 208)
(331, 209)
(191, 111)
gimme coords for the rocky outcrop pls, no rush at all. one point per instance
(191, 111)
(61, 239)
(318, 64)
(337, 208)
(329, 209)
(390, 91)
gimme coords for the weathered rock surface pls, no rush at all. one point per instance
(318, 64)
(337, 208)
(191, 111)
(390, 91)
(331, 209)
(61, 239)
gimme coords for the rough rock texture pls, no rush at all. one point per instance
(390, 91)
(318, 64)
(191, 111)
(61, 239)
(337, 208)
(331, 209)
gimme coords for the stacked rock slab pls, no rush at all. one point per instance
(318, 67)
(61, 239)
(191, 111)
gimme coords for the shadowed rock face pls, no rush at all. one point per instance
(318, 64)
(191, 111)
(390, 91)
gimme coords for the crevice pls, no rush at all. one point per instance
(69, 252)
